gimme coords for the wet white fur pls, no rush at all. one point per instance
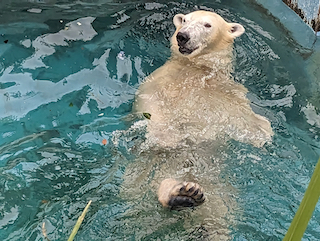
(194, 96)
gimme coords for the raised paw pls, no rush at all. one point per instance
(175, 194)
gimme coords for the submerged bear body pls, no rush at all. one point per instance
(193, 106)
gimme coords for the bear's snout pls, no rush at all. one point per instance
(182, 38)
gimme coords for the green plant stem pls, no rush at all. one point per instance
(306, 208)
(79, 221)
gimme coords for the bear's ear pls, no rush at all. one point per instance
(177, 20)
(236, 29)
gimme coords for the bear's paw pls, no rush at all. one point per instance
(175, 195)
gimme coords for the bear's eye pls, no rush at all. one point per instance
(184, 20)
(207, 25)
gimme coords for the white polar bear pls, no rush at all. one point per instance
(193, 105)
(193, 95)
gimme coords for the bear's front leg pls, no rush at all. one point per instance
(175, 194)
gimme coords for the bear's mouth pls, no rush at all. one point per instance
(185, 50)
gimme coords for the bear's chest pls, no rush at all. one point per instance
(191, 103)
(202, 94)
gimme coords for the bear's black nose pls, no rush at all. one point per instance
(182, 38)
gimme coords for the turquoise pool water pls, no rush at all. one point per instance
(68, 74)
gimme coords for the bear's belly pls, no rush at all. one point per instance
(203, 114)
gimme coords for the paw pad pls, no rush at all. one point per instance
(186, 194)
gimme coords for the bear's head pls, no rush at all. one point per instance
(202, 32)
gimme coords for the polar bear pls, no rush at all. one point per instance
(193, 94)
(192, 106)
(193, 97)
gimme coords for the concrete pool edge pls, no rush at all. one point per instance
(291, 21)
(304, 35)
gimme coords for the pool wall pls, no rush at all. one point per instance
(308, 10)
(302, 32)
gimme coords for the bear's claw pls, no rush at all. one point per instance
(176, 194)
(190, 194)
